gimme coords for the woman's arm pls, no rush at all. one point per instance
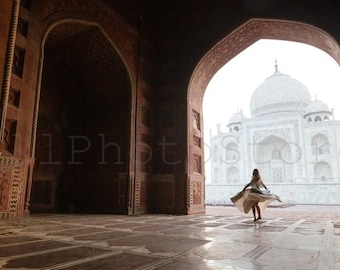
(262, 184)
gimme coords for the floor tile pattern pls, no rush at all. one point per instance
(296, 237)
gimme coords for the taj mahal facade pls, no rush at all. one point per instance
(292, 139)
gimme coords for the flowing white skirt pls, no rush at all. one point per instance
(245, 200)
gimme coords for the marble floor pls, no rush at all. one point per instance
(295, 237)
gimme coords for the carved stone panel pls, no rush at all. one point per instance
(196, 120)
(197, 141)
(197, 192)
(11, 188)
(22, 27)
(9, 136)
(18, 61)
(197, 164)
(14, 97)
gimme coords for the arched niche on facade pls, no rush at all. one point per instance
(231, 152)
(230, 46)
(273, 156)
(323, 172)
(320, 144)
(233, 174)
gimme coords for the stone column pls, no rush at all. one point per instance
(9, 11)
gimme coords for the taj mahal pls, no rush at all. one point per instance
(292, 139)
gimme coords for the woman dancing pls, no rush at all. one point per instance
(255, 195)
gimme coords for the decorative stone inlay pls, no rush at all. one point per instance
(5, 181)
(11, 186)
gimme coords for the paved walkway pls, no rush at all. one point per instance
(297, 237)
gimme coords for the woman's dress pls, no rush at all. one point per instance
(246, 199)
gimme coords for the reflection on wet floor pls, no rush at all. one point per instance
(297, 237)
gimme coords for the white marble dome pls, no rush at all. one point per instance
(279, 93)
(236, 118)
(317, 106)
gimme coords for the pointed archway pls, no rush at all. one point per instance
(82, 151)
(274, 157)
(218, 56)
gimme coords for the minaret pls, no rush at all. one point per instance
(276, 66)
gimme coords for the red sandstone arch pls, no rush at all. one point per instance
(51, 24)
(241, 38)
(76, 24)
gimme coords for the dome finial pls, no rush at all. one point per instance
(276, 66)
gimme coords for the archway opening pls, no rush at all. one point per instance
(268, 121)
(232, 45)
(82, 151)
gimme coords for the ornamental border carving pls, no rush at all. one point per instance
(280, 132)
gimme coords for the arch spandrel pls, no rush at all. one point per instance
(246, 35)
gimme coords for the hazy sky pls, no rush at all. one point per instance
(231, 88)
